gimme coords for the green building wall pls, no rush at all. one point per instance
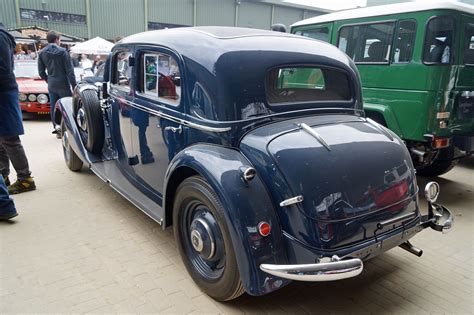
(111, 18)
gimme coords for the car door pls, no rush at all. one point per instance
(121, 95)
(155, 114)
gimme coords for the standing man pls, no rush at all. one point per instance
(60, 77)
(11, 124)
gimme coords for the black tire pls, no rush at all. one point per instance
(216, 274)
(443, 163)
(73, 162)
(89, 120)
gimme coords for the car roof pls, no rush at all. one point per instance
(207, 45)
(388, 9)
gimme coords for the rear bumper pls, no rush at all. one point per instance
(438, 218)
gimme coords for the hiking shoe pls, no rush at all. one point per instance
(8, 216)
(6, 180)
(22, 186)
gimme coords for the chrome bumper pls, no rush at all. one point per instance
(439, 218)
(336, 269)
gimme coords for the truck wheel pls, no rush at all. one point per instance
(73, 162)
(88, 115)
(203, 240)
(443, 163)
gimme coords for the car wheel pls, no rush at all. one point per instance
(203, 240)
(88, 115)
(73, 162)
(443, 163)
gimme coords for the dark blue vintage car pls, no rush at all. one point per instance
(254, 146)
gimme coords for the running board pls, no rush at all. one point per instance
(111, 174)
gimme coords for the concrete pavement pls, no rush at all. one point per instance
(78, 246)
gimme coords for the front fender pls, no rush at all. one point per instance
(245, 205)
(65, 108)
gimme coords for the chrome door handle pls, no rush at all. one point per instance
(174, 129)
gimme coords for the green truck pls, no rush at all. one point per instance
(416, 62)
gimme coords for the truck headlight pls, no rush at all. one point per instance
(32, 97)
(22, 97)
(42, 98)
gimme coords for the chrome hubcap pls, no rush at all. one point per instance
(202, 238)
(81, 119)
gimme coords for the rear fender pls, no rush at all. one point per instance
(64, 110)
(387, 114)
(245, 205)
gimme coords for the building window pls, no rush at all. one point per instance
(49, 16)
(405, 41)
(439, 40)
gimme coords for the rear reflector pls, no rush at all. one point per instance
(264, 228)
(439, 143)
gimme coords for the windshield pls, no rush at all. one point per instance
(26, 70)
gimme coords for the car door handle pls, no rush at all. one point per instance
(174, 129)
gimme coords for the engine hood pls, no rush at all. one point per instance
(351, 175)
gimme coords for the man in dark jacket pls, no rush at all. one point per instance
(11, 124)
(60, 77)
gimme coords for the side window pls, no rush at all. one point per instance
(439, 40)
(321, 33)
(469, 44)
(404, 41)
(370, 43)
(123, 71)
(161, 77)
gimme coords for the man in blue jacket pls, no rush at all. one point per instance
(60, 72)
(11, 124)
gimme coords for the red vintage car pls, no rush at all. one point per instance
(33, 91)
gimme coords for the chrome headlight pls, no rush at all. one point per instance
(22, 97)
(42, 98)
(32, 97)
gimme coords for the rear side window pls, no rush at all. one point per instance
(321, 33)
(306, 84)
(160, 77)
(439, 40)
(404, 41)
(368, 43)
(469, 45)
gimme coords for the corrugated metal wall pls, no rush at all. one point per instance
(7, 13)
(215, 12)
(64, 6)
(254, 15)
(287, 15)
(171, 11)
(111, 18)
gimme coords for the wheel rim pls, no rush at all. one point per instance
(202, 240)
(81, 120)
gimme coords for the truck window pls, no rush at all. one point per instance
(321, 33)
(439, 40)
(368, 43)
(469, 45)
(404, 41)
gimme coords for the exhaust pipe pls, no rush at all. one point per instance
(412, 249)
(420, 153)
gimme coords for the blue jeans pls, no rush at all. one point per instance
(54, 96)
(6, 203)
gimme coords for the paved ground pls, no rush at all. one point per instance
(78, 246)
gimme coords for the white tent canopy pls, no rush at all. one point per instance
(95, 46)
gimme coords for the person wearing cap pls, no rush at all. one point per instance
(11, 124)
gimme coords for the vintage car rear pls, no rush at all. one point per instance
(33, 91)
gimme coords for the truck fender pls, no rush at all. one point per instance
(386, 113)
(245, 205)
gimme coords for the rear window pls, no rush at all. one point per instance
(306, 84)
(469, 45)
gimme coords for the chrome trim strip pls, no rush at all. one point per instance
(174, 119)
(330, 271)
(316, 135)
(291, 201)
